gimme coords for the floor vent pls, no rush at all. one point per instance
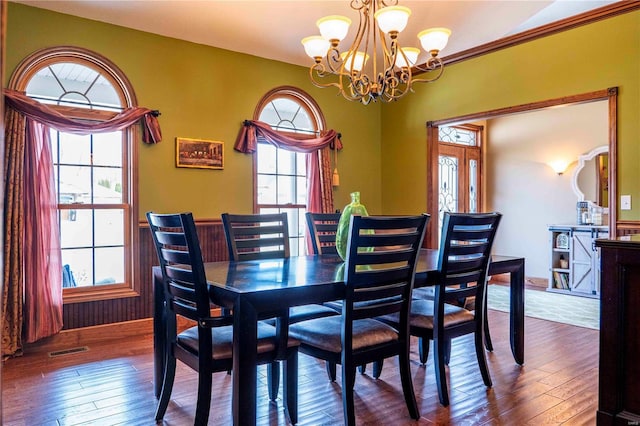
(68, 351)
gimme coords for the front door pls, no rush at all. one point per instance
(458, 170)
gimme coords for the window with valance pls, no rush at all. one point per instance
(292, 161)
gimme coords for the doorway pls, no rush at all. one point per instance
(433, 148)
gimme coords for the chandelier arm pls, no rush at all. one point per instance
(334, 62)
(320, 71)
(440, 70)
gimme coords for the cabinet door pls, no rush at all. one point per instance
(596, 261)
(582, 263)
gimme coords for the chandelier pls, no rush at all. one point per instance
(391, 67)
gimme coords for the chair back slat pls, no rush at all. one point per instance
(323, 228)
(380, 267)
(178, 249)
(176, 256)
(464, 256)
(256, 236)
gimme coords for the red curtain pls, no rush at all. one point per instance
(43, 266)
(49, 117)
(253, 131)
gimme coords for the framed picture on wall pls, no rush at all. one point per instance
(199, 153)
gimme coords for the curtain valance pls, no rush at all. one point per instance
(254, 131)
(46, 115)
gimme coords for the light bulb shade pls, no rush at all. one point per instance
(434, 39)
(354, 64)
(559, 166)
(392, 18)
(334, 27)
(315, 46)
(412, 56)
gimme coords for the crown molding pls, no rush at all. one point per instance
(585, 18)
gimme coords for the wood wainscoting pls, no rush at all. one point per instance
(211, 233)
(87, 314)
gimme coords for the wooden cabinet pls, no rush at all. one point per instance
(619, 369)
(575, 262)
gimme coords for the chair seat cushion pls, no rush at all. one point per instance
(223, 340)
(422, 315)
(325, 333)
(336, 305)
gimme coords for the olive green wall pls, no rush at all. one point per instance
(202, 92)
(588, 58)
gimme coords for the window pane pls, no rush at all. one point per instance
(73, 82)
(473, 193)
(109, 265)
(107, 149)
(286, 189)
(457, 135)
(75, 149)
(301, 190)
(448, 193)
(266, 189)
(266, 158)
(109, 227)
(74, 184)
(80, 263)
(301, 164)
(76, 228)
(107, 187)
(286, 162)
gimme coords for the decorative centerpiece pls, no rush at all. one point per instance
(342, 235)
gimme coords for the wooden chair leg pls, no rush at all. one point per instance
(407, 385)
(423, 349)
(273, 379)
(441, 375)
(331, 370)
(482, 360)
(447, 351)
(290, 387)
(204, 397)
(487, 336)
(377, 368)
(167, 387)
(348, 382)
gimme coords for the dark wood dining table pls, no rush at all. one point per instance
(253, 289)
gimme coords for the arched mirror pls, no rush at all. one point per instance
(590, 178)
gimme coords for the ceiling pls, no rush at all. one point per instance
(273, 29)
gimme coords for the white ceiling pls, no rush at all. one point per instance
(273, 29)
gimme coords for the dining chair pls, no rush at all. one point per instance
(323, 228)
(378, 275)
(266, 236)
(322, 231)
(464, 256)
(207, 346)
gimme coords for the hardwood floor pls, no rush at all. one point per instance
(112, 384)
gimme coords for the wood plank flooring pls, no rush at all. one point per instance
(112, 384)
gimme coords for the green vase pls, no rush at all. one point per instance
(342, 235)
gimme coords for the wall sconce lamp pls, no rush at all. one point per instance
(559, 166)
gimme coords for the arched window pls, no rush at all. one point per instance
(281, 175)
(94, 174)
